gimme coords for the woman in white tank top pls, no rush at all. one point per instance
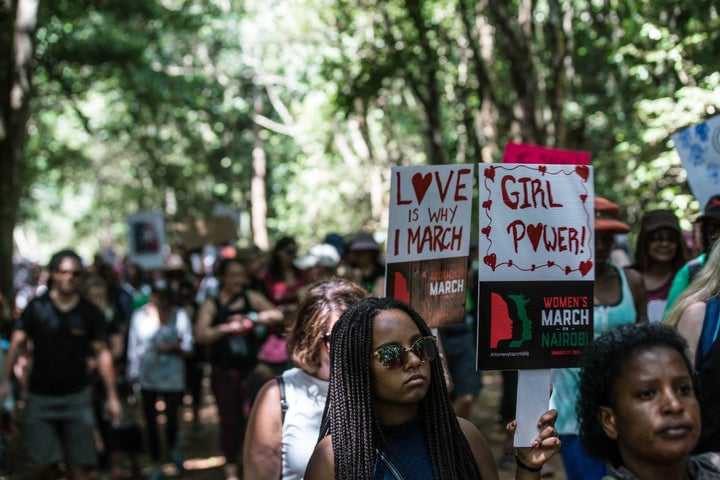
(281, 437)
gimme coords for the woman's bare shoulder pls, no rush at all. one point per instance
(322, 463)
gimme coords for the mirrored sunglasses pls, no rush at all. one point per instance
(395, 356)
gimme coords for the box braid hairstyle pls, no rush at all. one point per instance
(600, 366)
(349, 414)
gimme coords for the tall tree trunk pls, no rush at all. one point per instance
(375, 180)
(562, 68)
(481, 42)
(258, 195)
(426, 87)
(18, 22)
(517, 45)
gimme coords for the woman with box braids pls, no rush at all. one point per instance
(388, 414)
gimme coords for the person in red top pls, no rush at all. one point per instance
(660, 252)
(283, 284)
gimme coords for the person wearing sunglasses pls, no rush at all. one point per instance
(64, 328)
(660, 251)
(278, 444)
(388, 413)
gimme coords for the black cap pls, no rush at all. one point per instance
(655, 219)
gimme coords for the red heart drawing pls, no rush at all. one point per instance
(534, 232)
(567, 270)
(490, 173)
(421, 183)
(490, 260)
(542, 169)
(583, 197)
(486, 231)
(510, 263)
(532, 267)
(585, 267)
(583, 171)
(487, 204)
(550, 263)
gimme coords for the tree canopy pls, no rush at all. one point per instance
(293, 112)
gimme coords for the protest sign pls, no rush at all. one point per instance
(536, 273)
(429, 240)
(146, 232)
(535, 154)
(699, 150)
(195, 233)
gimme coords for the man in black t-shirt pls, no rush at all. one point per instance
(63, 327)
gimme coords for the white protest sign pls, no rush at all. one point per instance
(536, 222)
(536, 252)
(146, 239)
(429, 240)
(428, 209)
(699, 150)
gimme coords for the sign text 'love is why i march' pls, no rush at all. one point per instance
(429, 240)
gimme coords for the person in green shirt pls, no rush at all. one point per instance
(710, 231)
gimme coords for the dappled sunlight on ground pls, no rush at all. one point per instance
(203, 461)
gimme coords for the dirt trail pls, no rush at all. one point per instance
(204, 462)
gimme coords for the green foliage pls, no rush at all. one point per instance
(148, 104)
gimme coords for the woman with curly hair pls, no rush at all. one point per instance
(618, 299)
(637, 407)
(388, 414)
(276, 441)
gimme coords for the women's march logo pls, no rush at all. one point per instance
(503, 324)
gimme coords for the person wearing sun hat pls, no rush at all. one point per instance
(709, 232)
(619, 299)
(660, 251)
